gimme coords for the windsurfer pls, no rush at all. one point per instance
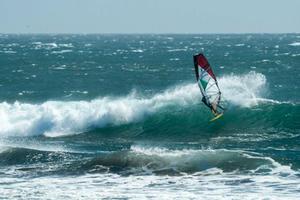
(213, 110)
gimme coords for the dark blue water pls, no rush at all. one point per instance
(120, 116)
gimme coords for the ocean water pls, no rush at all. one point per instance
(120, 117)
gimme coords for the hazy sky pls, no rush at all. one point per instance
(149, 16)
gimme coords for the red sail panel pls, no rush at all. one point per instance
(203, 63)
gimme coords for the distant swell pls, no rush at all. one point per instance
(138, 159)
(57, 118)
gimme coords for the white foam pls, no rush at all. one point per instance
(295, 44)
(68, 45)
(243, 90)
(39, 45)
(113, 186)
(212, 183)
(174, 59)
(51, 44)
(179, 158)
(137, 50)
(55, 118)
(9, 52)
(61, 51)
(294, 55)
(88, 45)
(264, 100)
(176, 50)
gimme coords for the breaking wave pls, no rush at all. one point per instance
(57, 118)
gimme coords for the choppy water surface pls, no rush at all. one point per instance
(120, 116)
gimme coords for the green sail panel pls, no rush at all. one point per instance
(203, 83)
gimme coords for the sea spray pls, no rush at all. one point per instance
(243, 90)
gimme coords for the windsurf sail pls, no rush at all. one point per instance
(208, 84)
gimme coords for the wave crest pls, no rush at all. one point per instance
(57, 118)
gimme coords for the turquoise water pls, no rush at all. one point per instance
(120, 116)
